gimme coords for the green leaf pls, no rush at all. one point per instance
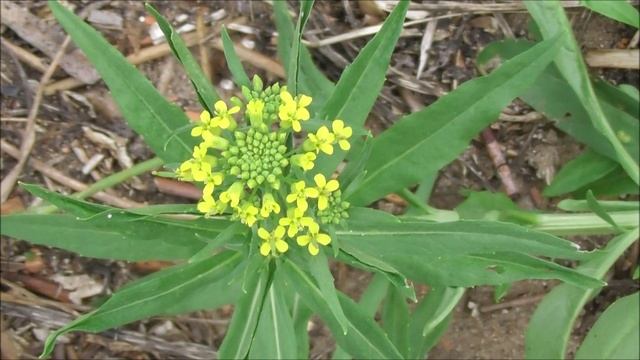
(294, 60)
(620, 11)
(463, 253)
(395, 318)
(615, 335)
(552, 21)
(183, 288)
(319, 268)
(237, 340)
(554, 97)
(550, 326)
(612, 184)
(236, 229)
(427, 320)
(600, 211)
(580, 172)
(240, 77)
(422, 143)
(582, 206)
(145, 110)
(364, 338)
(369, 303)
(205, 91)
(361, 82)
(311, 79)
(482, 204)
(275, 336)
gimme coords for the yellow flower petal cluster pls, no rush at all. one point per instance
(243, 159)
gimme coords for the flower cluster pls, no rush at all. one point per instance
(248, 169)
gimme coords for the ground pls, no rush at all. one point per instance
(82, 124)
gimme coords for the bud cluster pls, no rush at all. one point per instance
(249, 172)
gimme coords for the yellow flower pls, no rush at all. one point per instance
(300, 193)
(255, 107)
(223, 118)
(207, 205)
(341, 134)
(247, 213)
(313, 238)
(233, 194)
(269, 205)
(272, 241)
(292, 111)
(205, 128)
(324, 189)
(213, 179)
(322, 140)
(305, 161)
(295, 220)
(201, 164)
(183, 172)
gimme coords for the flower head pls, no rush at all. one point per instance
(305, 161)
(272, 242)
(324, 189)
(295, 220)
(313, 238)
(342, 134)
(223, 118)
(233, 194)
(207, 205)
(292, 111)
(255, 107)
(269, 205)
(322, 140)
(212, 180)
(201, 164)
(299, 194)
(247, 213)
(206, 127)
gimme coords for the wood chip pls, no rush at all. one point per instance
(40, 35)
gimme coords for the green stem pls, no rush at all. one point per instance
(109, 181)
(584, 223)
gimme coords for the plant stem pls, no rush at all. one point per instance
(584, 223)
(109, 181)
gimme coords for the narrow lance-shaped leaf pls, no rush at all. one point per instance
(618, 10)
(183, 288)
(464, 253)
(205, 91)
(364, 338)
(237, 340)
(361, 82)
(275, 336)
(319, 268)
(615, 335)
(395, 318)
(233, 62)
(145, 110)
(550, 326)
(579, 172)
(422, 143)
(294, 61)
(552, 22)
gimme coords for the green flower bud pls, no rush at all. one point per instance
(260, 179)
(251, 183)
(234, 170)
(246, 93)
(257, 83)
(271, 178)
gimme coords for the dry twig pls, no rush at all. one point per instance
(29, 136)
(500, 163)
(613, 58)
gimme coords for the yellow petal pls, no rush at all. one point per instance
(337, 125)
(311, 192)
(332, 185)
(284, 221)
(282, 246)
(296, 126)
(320, 180)
(327, 149)
(346, 132)
(303, 240)
(292, 231)
(265, 249)
(286, 97)
(291, 198)
(304, 100)
(322, 202)
(263, 234)
(220, 106)
(196, 131)
(234, 110)
(344, 145)
(323, 239)
(302, 114)
(205, 116)
(279, 232)
(313, 249)
(208, 189)
(302, 204)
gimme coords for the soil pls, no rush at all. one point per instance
(535, 150)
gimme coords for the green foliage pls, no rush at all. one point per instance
(175, 290)
(618, 10)
(206, 93)
(615, 335)
(550, 326)
(421, 143)
(552, 22)
(145, 110)
(275, 293)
